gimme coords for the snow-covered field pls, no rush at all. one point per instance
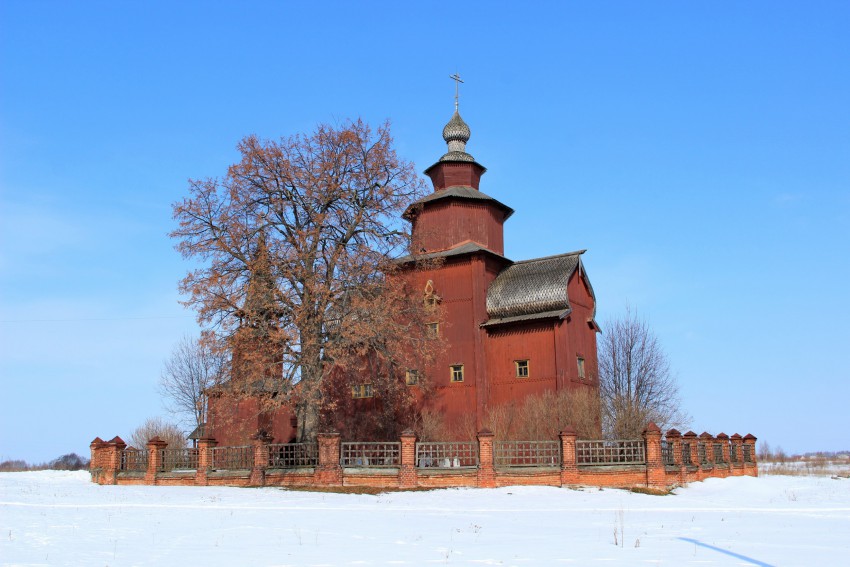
(60, 518)
(821, 467)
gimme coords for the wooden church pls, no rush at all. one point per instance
(510, 328)
(514, 328)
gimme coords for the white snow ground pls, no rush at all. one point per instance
(60, 518)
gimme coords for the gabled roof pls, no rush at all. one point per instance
(533, 289)
(199, 432)
(466, 248)
(457, 192)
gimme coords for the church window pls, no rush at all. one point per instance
(580, 362)
(457, 372)
(521, 368)
(361, 391)
(411, 377)
(434, 328)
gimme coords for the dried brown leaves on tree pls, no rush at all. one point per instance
(635, 381)
(296, 245)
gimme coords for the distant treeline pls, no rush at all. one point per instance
(778, 455)
(69, 462)
(827, 454)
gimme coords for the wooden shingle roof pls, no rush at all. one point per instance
(465, 248)
(457, 192)
(532, 289)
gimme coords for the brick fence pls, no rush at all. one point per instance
(650, 462)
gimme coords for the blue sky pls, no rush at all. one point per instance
(700, 152)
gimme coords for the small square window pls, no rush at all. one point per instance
(411, 377)
(457, 372)
(521, 368)
(580, 362)
(434, 328)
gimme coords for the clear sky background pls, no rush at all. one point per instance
(700, 152)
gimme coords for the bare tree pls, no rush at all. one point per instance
(764, 451)
(635, 381)
(298, 242)
(156, 427)
(195, 366)
(13, 465)
(430, 425)
(543, 416)
(69, 462)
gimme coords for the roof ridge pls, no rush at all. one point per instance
(459, 187)
(466, 192)
(465, 247)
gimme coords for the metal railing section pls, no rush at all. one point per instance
(701, 454)
(686, 454)
(232, 458)
(612, 452)
(134, 460)
(370, 454)
(718, 453)
(667, 455)
(733, 453)
(748, 453)
(526, 453)
(445, 455)
(178, 459)
(293, 455)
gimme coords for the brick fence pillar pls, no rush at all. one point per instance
(708, 441)
(569, 459)
(486, 471)
(328, 470)
(691, 439)
(723, 439)
(407, 477)
(260, 442)
(656, 476)
(95, 467)
(751, 468)
(205, 460)
(114, 448)
(737, 466)
(155, 447)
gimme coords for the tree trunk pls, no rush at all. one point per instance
(307, 413)
(309, 396)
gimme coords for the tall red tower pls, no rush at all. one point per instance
(457, 212)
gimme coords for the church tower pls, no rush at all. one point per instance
(464, 229)
(457, 212)
(511, 329)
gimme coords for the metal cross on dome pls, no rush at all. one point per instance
(456, 78)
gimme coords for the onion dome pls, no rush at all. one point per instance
(456, 133)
